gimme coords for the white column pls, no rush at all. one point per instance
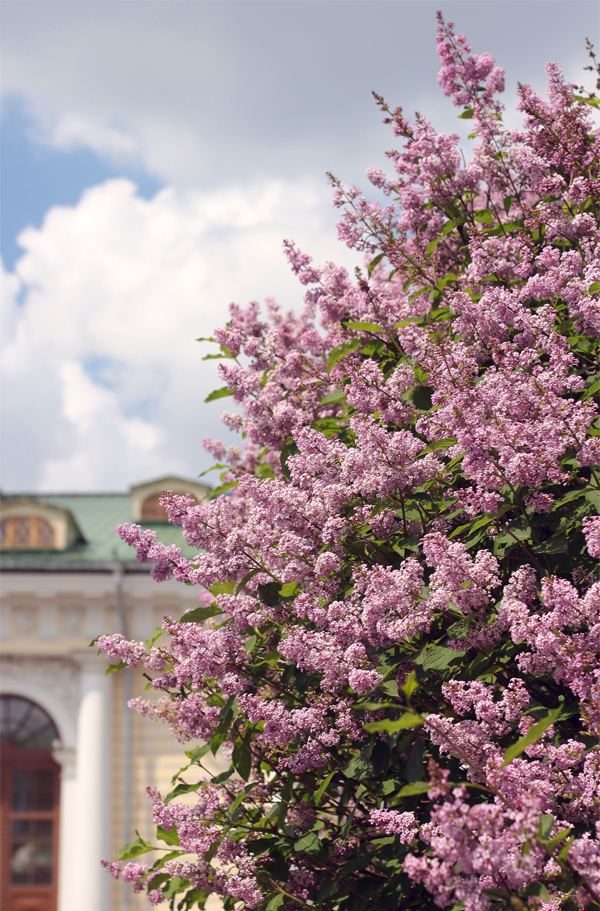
(67, 827)
(92, 884)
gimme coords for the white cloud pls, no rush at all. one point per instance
(103, 381)
(196, 92)
(239, 108)
(70, 131)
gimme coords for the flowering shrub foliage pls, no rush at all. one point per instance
(397, 643)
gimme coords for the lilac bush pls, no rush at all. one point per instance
(396, 648)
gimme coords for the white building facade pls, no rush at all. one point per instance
(75, 761)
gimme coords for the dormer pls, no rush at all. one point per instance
(145, 498)
(30, 524)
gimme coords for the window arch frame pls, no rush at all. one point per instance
(41, 534)
(151, 510)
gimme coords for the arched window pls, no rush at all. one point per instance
(30, 801)
(26, 533)
(25, 725)
(152, 511)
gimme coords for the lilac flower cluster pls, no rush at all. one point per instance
(402, 572)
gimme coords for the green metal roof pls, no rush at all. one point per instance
(97, 515)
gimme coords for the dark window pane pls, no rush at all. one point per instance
(18, 879)
(43, 828)
(20, 828)
(25, 724)
(42, 876)
(45, 534)
(22, 790)
(22, 532)
(44, 790)
(44, 779)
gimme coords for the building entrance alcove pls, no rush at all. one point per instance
(30, 796)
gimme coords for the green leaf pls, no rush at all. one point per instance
(201, 613)
(228, 485)
(332, 398)
(365, 327)
(288, 589)
(222, 730)
(460, 629)
(594, 288)
(153, 882)
(270, 594)
(532, 736)
(467, 114)
(222, 776)
(242, 759)
(559, 837)
(276, 902)
(260, 845)
(595, 388)
(240, 797)
(181, 788)
(169, 836)
(594, 102)
(374, 262)
(471, 527)
(369, 763)
(155, 635)
(391, 688)
(389, 786)
(309, 844)
(429, 249)
(439, 444)
(555, 545)
(326, 890)
(593, 497)
(409, 790)
(408, 720)
(323, 787)
(410, 685)
(572, 495)
(342, 350)
(437, 657)
(174, 887)
(246, 579)
(208, 856)
(114, 667)
(545, 825)
(222, 588)
(485, 216)
(218, 394)
(421, 397)
(450, 226)
(135, 848)
(196, 755)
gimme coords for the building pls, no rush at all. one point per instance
(75, 762)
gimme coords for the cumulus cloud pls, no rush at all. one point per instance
(103, 381)
(239, 108)
(198, 92)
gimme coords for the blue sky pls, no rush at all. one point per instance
(154, 156)
(37, 176)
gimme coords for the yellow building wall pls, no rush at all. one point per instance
(155, 757)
